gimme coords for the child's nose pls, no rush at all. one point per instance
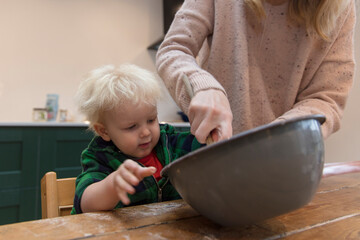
(145, 132)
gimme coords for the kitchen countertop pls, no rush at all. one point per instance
(67, 124)
(43, 124)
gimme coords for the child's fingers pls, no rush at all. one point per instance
(123, 185)
(129, 177)
(127, 170)
(122, 189)
(140, 173)
(137, 170)
(124, 197)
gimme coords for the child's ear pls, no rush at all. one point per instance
(100, 129)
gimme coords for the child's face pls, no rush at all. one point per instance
(133, 129)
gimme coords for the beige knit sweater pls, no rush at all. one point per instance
(270, 70)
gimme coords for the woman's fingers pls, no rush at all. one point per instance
(210, 114)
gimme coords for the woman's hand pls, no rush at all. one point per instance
(210, 113)
(128, 175)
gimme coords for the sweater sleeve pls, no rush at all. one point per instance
(191, 27)
(328, 90)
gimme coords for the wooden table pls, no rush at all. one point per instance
(334, 213)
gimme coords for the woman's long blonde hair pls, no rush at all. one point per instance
(319, 15)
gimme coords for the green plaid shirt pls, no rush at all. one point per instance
(102, 158)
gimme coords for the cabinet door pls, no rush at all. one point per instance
(26, 154)
(61, 150)
(18, 174)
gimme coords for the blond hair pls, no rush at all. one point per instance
(319, 15)
(108, 87)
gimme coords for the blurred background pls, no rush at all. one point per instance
(46, 47)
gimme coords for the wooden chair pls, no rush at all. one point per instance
(57, 195)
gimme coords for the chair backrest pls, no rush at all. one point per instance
(57, 195)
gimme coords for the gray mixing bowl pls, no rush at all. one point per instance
(255, 175)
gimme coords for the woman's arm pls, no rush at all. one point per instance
(191, 27)
(209, 111)
(328, 90)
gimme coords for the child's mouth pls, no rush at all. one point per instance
(144, 145)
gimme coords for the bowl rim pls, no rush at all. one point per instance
(320, 118)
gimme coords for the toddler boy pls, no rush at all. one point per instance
(122, 164)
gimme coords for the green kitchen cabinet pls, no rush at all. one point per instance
(27, 152)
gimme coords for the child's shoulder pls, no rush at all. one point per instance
(99, 144)
(169, 129)
(177, 139)
(166, 128)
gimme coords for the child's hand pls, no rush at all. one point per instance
(128, 175)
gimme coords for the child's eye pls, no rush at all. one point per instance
(152, 120)
(131, 127)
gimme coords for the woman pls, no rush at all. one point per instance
(251, 62)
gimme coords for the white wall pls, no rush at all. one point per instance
(344, 145)
(46, 46)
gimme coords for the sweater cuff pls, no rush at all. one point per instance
(204, 81)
